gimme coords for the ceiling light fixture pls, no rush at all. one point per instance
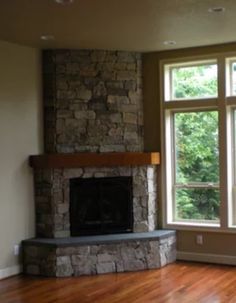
(217, 9)
(169, 42)
(64, 2)
(47, 37)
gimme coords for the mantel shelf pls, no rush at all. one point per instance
(94, 160)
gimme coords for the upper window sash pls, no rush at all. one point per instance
(191, 80)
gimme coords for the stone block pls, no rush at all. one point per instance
(115, 131)
(61, 83)
(84, 270)
(108, 267)
(108, 75)
(105, 257)
(151, 186)
(134, 265)
(63, 208)
(98, 56)
(78, 105)
(83, 265)
(98, 104)
(72, 173)
(66, 94)
(153, 257)
(130, 118)
(115, 84)
(88, 71)
(126, 75)
(135, 97)
(64, 114)
(120, 266)
(129, 108)
(99, 90)
(117, 99)
(131, 137)
(82, 250)
(65, 148)
(140, 227)
(115, 118)
(131, 66)
(112, 148)
(83, 93)
(117, 92)
(87, 114)
(60, 126)
(65, 251)
(120, 65)
(131, 85)
(111, 249)
(63, 267)
(128, 57)
(72, 68)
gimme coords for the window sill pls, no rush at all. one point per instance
(203, 227)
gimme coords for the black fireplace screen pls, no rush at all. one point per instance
(101, 205)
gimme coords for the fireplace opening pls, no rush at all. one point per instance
(101, 205)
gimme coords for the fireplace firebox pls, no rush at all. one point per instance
(101, 205)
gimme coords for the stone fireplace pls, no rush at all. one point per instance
(53, 196)
(93, 133)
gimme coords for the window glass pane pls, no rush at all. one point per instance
(233, 78)
(190, 82)
(196, 147)
(197, 204)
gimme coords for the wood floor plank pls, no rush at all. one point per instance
(182, 282)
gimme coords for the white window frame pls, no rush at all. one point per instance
(224, 103)
(168, 78)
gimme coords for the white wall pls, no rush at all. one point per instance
(20, 136)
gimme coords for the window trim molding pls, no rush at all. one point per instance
(224, 104)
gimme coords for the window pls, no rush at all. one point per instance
(199, 142)
(191, 81)
(196, 185)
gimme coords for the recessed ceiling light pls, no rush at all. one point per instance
(64, 2)
(47, 37)
(169, 42)
(217, 9)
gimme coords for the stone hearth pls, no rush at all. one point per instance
(99, 254)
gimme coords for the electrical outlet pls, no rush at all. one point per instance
(199, 239)
(16, 250)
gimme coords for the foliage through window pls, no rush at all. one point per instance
(194, 81)
(197, 165)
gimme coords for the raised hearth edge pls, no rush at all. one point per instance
(99, 254)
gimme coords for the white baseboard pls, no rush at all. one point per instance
(208, 258)
(10, 271)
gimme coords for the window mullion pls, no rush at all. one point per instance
(223, 142)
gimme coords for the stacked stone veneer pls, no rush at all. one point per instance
(74, 260)
(92, 101)
(52, 197)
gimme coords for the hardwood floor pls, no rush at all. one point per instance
(182, 282)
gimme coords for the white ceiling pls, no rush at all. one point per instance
(140, 25)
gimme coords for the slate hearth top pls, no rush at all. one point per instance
(101, 239)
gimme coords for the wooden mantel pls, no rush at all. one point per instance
(94, 159)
